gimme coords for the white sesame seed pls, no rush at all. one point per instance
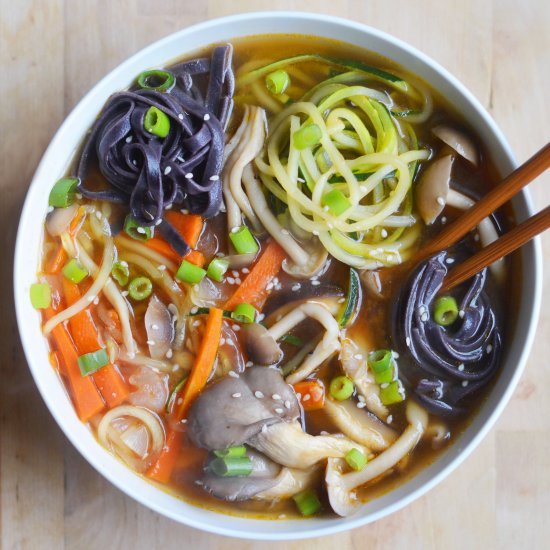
(489, 348)
(235, 229)
(325, 209)
(315, 232)
(278, 410)
(245, 270)
(461, 367)
(151, 342)
(154, 327)
(461, 313)
(230, 280)
(408, 341)
(214, 178)
(287, 404)
(184, 421)
(384, 385)
(236, 328)
(167, 170)
(424, 317)
(299, 396)
(296, 287)
(464, 383)
(236, 394)
(91, 298)
(258, 394)
(384, 233)
(450, 261)
(358, 356)
(307, 397)
(282, 516)
(285, 231)
(184, 211)
(180, 401)
(315, 283)
(189, 175)
(196, 323)
(389, 420)
(233, 374)
(169, 354)
(444, 220)
(180, 116)
(206, 116)
(238, 281)
(99, 215)
(128, 139)
(361, 405)
(96, 301)
(361, 398)
(269, 286)
(158, 222)
(176, 367)
(140, 230)
(124, 293)
(275, 396)
(78, 195)
(363, 188)
(440, 201)
(222, 341)
(476, 237)
(323, 432)
(330, 226)
(249, 364)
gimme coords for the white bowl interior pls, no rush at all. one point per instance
(53, 166)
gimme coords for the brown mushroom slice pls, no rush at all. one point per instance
(342, 487)
(290, 482)
(433, 188)
(459, 141)
(265, 475)
(359, 425)
(261, 347)
(287, 444)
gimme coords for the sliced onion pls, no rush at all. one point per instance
(58, 221)
(136, 439)
(152, 389)
(159, 328)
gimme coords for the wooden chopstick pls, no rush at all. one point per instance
(518, 179)
(506, 244)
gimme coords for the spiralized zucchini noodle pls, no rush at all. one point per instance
(367, 151)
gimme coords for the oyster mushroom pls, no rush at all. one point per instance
(261, 347)
(433, 187)
(258, 408)
(341, 487)
(290, 482)
(459, 141)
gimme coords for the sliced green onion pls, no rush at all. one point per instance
(243, 241)
(385, 376)
(173, 395)
(445, 311)
(307, 136)
(140, 288)
(277, 82)
(41, 295)
(307, 502)
(380, 360)
(120, 273)
(292, 340)
(190, 273)
(336, 202)
(231, 466)
(356, 459)
(162, 81)
(231, 452)
(136, 231)
(90, 362)
(392, 393)
(244, 313)
(341, 388)
(74, 271)
(156, 122)
(216, 269)
(63, 193)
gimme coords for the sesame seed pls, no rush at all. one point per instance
(269, 286)
(214, 178)
(282, 516)
(287, 404)
(176, 367)
(258, 394)
(461, 367)
(235, 273)
(158, 222)
(184, 211)
(299, 396)
(78, 195)
(361, 405)
(222, 341)
(279, 410)
(285, 231)
(128, 139)
(315, 232)
(140, 229)
(325, 208)
(206, 116)
(96, 301)
(461, 313)
(236, 328)
(151, 342)
(489, 348)
(180, 401)
(189, 175)
(275, 396)
(408, 341)
(236, 394)
(196, 323)
(169, 354)
(384, 233)
(329, 225)
(155, 327)
(363, 188)
(124, 293)
(315, 283)
(238, 281)
(184, 421)
(234, 229)
(99, 215)
(307, 397)
(167, 170)
(249, 364)
(245, 270)
(358, 356)
(91, 298)
(230, 280)
(424, 317)
(444, 220)
(476, 237)
(323, 432)
(384, 385)
(389, 420)
(296, 287)
(450, 261)
(464, 383)
(341, 300)
(440, 201)
(233, 374)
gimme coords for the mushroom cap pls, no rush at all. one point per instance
(262, 348)
(433, 187)
(232, 410)
(264, 476)
(459, 141)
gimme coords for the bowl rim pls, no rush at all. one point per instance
(335, 526)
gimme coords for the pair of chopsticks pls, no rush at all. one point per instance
(509, 242)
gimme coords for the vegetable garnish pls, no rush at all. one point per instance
(74, 271)
(307, 502)
(243, 241)
(277, 82)
(445, 311)
(231, 466)
(307, 136)
(63, 193)
(341, 388)
(136, 231)
(231, 452)
(120, 273)
(244, 313)
(140, 288)
(356, 459)
(91, 362)
(41, 295)
(392, 393)
(336, 202)
(156, 122)
(312, 394)
(292, 339)
(156, 79)
(190, 273)
(217, 268)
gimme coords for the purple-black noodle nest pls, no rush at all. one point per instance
(149, 174)
(448, 363)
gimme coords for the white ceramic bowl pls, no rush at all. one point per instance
(53, 166)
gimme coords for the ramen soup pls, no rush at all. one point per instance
(233, 284)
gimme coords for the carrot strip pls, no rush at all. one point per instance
(162, 468)
(196, 257)
(253, 290)
(315, 389)
(110, 383)
(203, 363)
(57, 261)
(189, 226)
(162, 247)
(86, 398)
(76, 220)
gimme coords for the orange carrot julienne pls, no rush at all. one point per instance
(195, 257)
(253, 290)
(57, 261)
(315, 390)
(203, 363)
(110, 383)
(162, 247)
(161, 470)
(189, 226)
(86, 397)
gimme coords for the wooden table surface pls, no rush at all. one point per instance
(51, 53)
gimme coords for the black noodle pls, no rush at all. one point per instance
(150, 174)
(448, 363)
